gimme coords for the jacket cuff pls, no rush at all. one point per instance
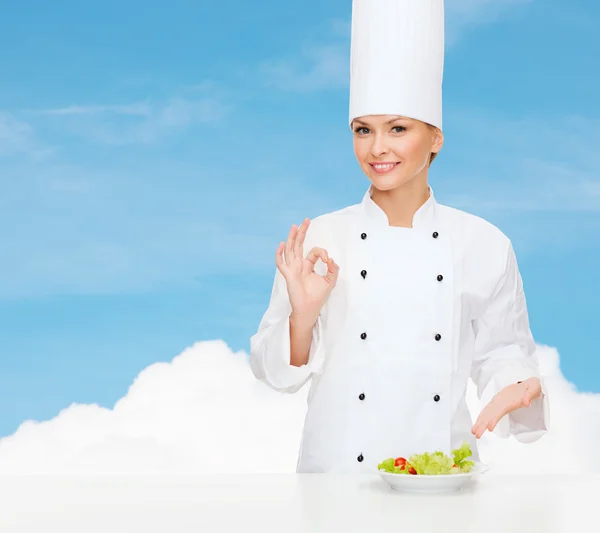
(279, 372)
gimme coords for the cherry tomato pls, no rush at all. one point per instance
(401, 462)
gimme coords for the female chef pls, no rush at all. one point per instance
(390, 305)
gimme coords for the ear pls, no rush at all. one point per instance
(438, 140)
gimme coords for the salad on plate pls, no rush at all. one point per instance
(431, 463)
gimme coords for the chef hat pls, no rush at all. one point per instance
(397, 59)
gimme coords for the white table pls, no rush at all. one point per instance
(290, 503)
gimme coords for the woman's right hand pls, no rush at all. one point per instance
(307, 290)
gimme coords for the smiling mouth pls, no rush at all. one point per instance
(382, 168)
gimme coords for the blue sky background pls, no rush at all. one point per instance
(153, 154)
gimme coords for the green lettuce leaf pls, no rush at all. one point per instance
(460, 457)
(434, 463)
(430, 464)
(460, 454)
(389, 466)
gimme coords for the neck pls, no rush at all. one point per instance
(401, 203)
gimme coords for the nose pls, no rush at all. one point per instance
(379, 146)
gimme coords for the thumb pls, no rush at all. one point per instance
(332, 271)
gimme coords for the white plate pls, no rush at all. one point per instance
(424, 483)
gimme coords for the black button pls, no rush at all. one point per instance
(437, 336)
(435, 235)
(361, 396)
(440, 277)
(436, 398)
(360, 458)
(363, 273)
(363, 236)
(363, 336)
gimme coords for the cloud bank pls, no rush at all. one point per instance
(205, 413)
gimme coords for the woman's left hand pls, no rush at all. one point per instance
(509, 399)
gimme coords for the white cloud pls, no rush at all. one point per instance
(142, 122)
(481, 10)
(202, 412)
(18, 137)
(462, 15)
(136, 108)
(317, 68)
(14, 134)
(205, 413)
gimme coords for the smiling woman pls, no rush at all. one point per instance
(389, 306)
(395, 151)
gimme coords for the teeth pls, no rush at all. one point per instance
(383, 167)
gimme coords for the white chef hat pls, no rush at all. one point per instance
(397, 59)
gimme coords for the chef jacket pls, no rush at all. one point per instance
(414, 314)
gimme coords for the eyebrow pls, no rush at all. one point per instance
(388, 122)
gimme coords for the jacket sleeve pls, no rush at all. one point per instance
(270, 346)
(505, 354)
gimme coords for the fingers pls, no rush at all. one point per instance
(289, 245)
(487, 420)
(320, 253)
(503, 403)
(279, 261)
(298, 247)
(479, 427)
(332, 271)
(317, 253)
(293, 249)
(491, 425)
(295, 241)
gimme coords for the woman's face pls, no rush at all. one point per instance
(392, 150)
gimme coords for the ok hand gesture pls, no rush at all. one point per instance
(307, 290)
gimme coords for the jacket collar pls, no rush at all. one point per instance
(423, 218)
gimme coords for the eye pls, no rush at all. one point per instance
(399, 129)
(361, 130)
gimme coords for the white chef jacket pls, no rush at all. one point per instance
(414, 314)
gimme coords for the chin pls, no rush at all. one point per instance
(387, 183)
